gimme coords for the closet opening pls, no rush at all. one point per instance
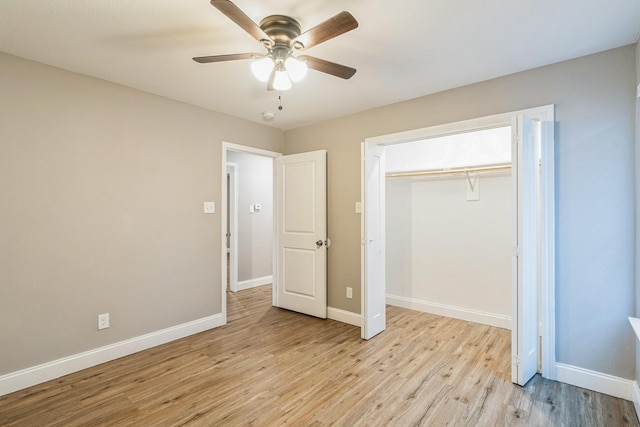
(505, 277)
(449, 214)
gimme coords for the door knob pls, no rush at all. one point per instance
(319, 243)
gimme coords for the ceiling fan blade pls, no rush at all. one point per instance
(332, 27)
(328, 67)
(230, 57)
(234, 13)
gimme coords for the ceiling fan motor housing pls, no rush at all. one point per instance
(281, 29)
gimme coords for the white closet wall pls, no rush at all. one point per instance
(447, 255)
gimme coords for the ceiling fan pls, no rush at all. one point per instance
(281, 35)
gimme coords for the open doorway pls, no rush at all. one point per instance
(374, 236)
(299, 241)
(250, 211)
(248, 218)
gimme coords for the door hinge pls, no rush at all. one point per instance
(516, 138)
(516, 251)
(516, 359)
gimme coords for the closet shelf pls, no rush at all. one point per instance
(490, 168)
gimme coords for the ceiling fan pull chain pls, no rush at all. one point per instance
(280, 102)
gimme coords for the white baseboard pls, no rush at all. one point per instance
(597, 381)
(28, 377)
(491, 319)
(253, 283)
(343, 316)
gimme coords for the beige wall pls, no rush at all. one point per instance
(594, 98)
(101, 191)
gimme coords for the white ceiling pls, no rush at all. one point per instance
(402, 49)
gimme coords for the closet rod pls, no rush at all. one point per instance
(450, 171)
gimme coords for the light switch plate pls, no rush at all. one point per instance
(209, 207)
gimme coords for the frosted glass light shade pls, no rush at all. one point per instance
(281, 80)
(262, 68)
(297, 69)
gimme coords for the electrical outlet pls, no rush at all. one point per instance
(349, 292)
(103, 321)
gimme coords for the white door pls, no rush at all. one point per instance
(524, 333)
(373, 262)
(301, 233)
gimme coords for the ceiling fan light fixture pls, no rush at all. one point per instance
(296, 68)
(282, 36)
(262, 68)
(281, 80)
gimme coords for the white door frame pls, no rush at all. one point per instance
(228, 146)
(232, 209)
(546, 115)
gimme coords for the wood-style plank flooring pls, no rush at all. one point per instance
(272, 367)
